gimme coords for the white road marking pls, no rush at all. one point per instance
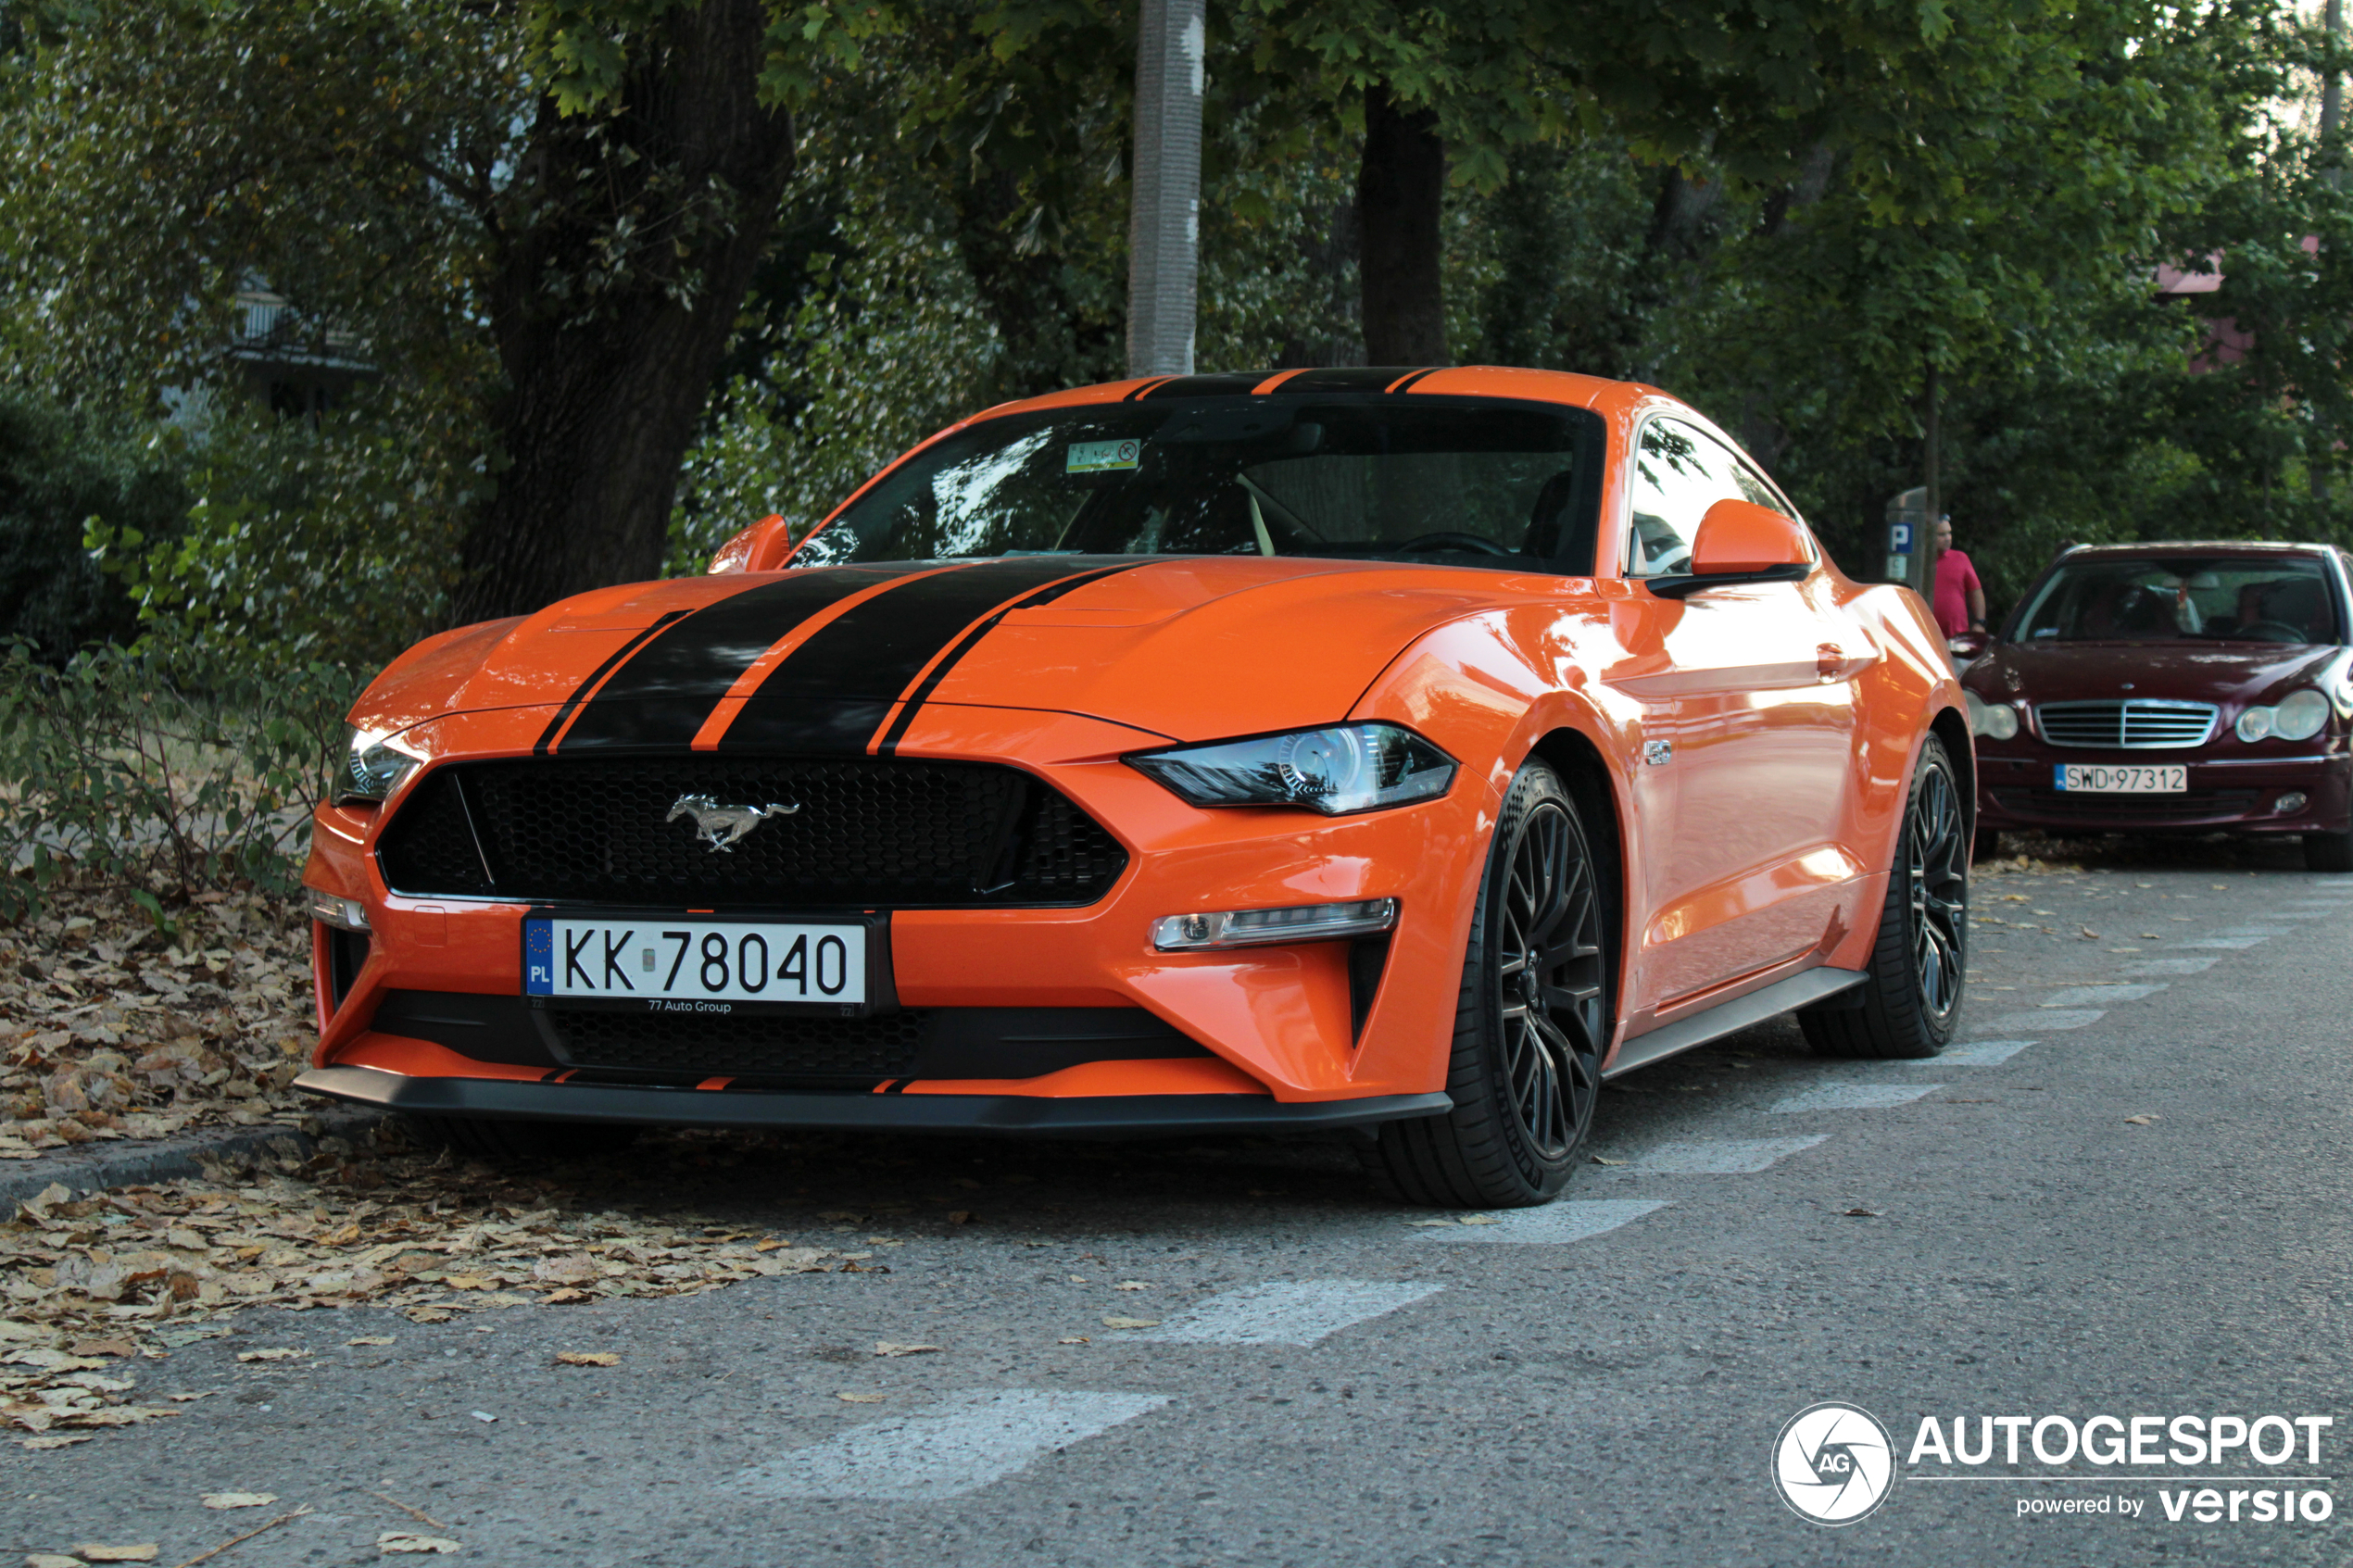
(1976, 1053)
(2234, 944)
(2172, 966)
(1554, 1222)
(2084, 996)
(1852, 1097)
(1720, 1156)
(957, 1445)
(2253, 930)
(1283, 1312)
(2043, 1018)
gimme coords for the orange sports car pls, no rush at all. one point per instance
(1396, 751)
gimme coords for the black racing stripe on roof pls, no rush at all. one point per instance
(849, 672)
(1225, 384)
(1148, 386)
(580, 693)
(1348, 378)
(1414, 380)
(971, 639)
(662, 695)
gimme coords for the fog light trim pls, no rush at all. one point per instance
(2288, 804)
(1264, 928)
(344, 914)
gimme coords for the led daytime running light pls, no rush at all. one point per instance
(1260, 928)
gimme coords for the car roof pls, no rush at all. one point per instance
(2200, 548)
(1594, 393)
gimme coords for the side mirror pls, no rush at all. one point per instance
(1969, 644)
(1741, 542)
(1742, 537)
(761, 547)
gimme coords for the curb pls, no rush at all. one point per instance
(90, 1168)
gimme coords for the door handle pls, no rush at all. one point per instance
(1828, 660)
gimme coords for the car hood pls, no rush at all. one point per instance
(1191, 648)
(2216, 672)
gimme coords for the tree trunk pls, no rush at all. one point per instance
(615, 287)
(1401, 191)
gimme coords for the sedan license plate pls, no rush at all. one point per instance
(2120, 779)
(695, 960)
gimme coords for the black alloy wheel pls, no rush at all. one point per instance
(1533, 1019)
(1909, 1004)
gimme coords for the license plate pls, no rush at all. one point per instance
(2120, 779)
(695, 960)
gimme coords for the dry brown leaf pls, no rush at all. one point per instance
(397, 1542)
(2143, 1120)
(586, 1358)
(1480, 1220)
(90, 1551)
(960, 1216)
(1133, 1285)
(55, 1440)
(373, 1339)
(885, 1348)
(1131, 1322)
(862, 1399)
(1074, 1339)
(274, 1353)
(429, 1314)
(51, 1559)
(239, 1500)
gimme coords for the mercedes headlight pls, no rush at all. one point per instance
(2302, 716)
(1994, 720)
(1336, 769)
(373, 768)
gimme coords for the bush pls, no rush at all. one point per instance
(163, 770)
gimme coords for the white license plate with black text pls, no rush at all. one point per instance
(703, 960)
(2100, 778)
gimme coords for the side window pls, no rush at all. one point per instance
(1678, 473)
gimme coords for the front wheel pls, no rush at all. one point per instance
(1531, 1020)
(2329, 851)
(1911, 1003)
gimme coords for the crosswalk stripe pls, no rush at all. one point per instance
(1720, 1156)
(2172, 966)
(2043, 1018)
(2084, 996)
(1852, 1097)
(1976, 1053)
(1556, 1222)
(1283, 1312)
(956, 1445)
(2234, 944)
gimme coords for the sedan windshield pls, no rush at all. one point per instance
(2178, 598)
(1512, 485)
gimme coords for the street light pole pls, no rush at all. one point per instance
(1163, 216)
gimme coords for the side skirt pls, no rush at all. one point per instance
(1732, 1017)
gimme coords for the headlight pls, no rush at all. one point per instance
(1337, 770)
(2255, 725)
(1994, 720)
(2301, 717)
(373, 769)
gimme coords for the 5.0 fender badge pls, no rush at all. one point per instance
(720, 825)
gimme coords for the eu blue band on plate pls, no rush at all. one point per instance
(538, 958)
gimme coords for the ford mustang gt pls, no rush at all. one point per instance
(1402, 752)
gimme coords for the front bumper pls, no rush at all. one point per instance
(1098, 1116)
(2230, 794)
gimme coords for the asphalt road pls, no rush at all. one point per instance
(2127, 1196)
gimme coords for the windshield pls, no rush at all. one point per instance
(2181, 599)
(1512, 485)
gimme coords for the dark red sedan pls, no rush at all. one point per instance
(2170, 688)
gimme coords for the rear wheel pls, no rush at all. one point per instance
(1911, 1002)
(518, 1142)
(1531, 1020)
(2329, 851)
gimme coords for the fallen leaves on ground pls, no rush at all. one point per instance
(92, 1553)
(1131, 1322)
(586, 1358)
(862, 1399)
(2143, 1120)
(90, 1288)
(239, 1500)
(115, 1031)
(394, 1542)
(885, 1348)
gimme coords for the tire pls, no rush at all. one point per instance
(1531, 1020)
(2329, 851)
(1911, 1003)
(512, 1143)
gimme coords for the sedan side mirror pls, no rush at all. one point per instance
(1970, 644)
(761, 547)
(1741, 542)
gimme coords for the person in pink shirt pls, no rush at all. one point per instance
(1960, 600)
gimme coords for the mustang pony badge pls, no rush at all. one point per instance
(720, 826)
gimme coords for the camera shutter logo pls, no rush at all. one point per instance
(1833, 1463)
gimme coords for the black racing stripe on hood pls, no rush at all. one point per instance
(850, 672)
(971, 640)
(662, 695)
(580, 693)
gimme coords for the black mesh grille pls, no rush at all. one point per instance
(866, 833)
(695, 1047)
(2062, 806)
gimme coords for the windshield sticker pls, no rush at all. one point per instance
(1101, 457)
